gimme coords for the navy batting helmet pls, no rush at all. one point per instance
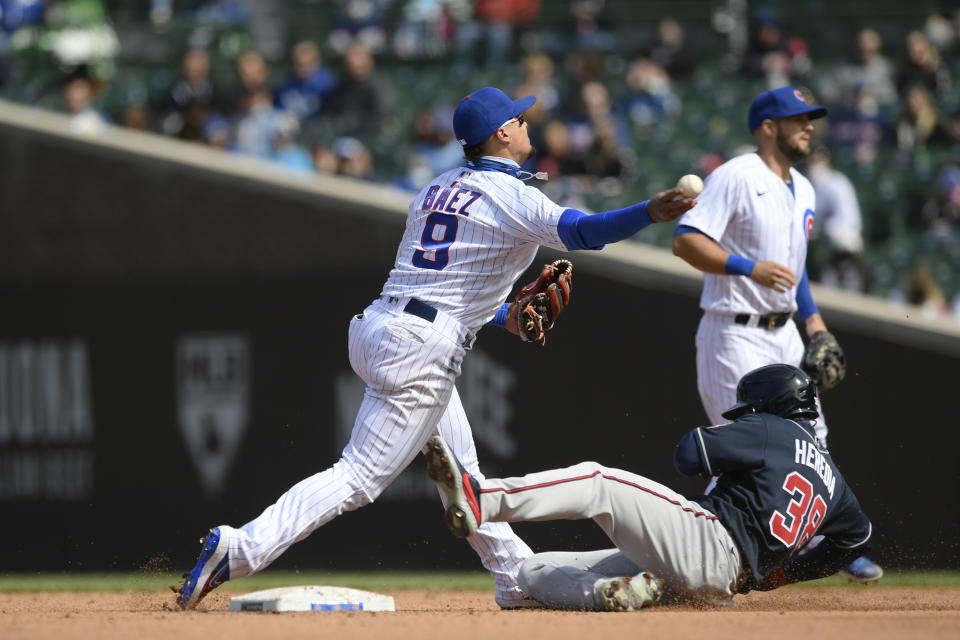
(780, 389)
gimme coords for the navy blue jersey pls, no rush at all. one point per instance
(777, 490)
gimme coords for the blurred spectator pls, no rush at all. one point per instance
(599, 113)
(867, 82)
(557, 157)
(919, 123)
(863, 128)
(221, 13)
(78, 92)
(939, 32)
(325, 160)
(923, 67)
(838, 218)
(861, 93)
(417, 173)
(346, 156)
(79, 33)
(136, 115)
(361, 102)
(360, 22)
(354, 160)
(650, 99)
(161, 15)
(564, 166)
(434, 139)
(600, 136)
(592, 25)
(19, 13)
(217, 132)
(670, 50)
(15, 14)
(491, 31)
(253, 76)
(767, 55)
(579, 68)
(538, 80)
(425, 30)
(770, 54)
(191, 99)
(286, 151)
(604, 157)
(941, 213)
(304, 93)
(210, 21)
(256, 118)
(925, 292)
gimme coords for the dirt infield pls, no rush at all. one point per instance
(871, 612)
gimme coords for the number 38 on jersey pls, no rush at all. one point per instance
(803, 507)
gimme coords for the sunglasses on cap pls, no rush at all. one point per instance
(520, 119)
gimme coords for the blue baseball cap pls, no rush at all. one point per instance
(780, 103)
(484, 111)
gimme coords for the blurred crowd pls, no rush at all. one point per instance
(366, 89)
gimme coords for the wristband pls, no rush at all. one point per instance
(500, 319)
(739, 266)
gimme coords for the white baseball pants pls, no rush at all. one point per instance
(726, 351)
(410, 366)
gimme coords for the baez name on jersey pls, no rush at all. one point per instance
(808, 454)
(462, 198)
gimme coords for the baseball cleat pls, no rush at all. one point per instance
(212, 568)
(629, 594)
(862, 570)
(461, 489)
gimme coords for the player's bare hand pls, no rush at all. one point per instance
(669, 205)
(773, 275)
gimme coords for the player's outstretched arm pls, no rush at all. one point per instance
(578, 230)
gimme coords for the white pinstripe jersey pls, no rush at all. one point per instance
(749, 211)
(470, 234)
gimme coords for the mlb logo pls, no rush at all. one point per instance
(213, 402)
(799, 96)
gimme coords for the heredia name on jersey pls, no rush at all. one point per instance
(808, 454)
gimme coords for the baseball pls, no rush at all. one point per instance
(691, 185)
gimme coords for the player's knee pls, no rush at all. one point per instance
(587, 468)
(529, 572)
(361, 493)
(356, 500)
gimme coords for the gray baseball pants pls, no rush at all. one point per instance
(653, 527)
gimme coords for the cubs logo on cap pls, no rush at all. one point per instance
(780, 103)
(484, 111)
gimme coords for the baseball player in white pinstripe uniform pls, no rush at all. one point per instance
(749, 236)
(470, 234)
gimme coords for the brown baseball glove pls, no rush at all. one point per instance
(824, 361)
(540, 302)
